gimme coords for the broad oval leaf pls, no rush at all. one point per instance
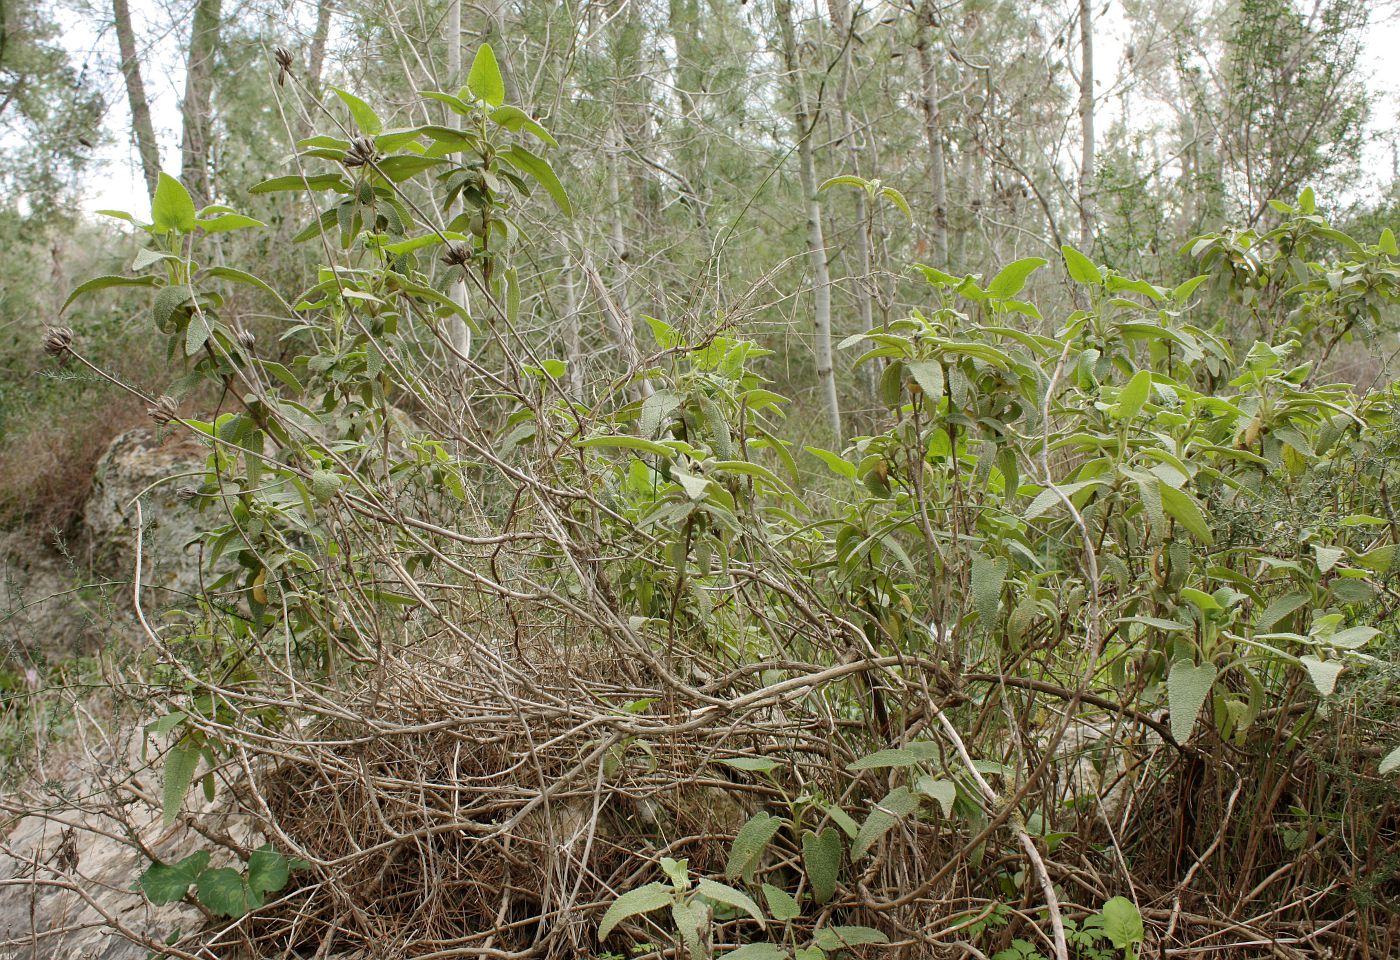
(171, 207)
(485, 80)
(644, 899)
(1011, 278)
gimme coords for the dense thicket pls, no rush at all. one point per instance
(754, 481)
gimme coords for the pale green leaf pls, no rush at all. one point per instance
(895, 806)
(821, 858)
(1122, 923)
(171, 207)
(644, 899)
(1133, 396)
(1184, 509)
(1188, 685)
(1324, 673)
(781, 906)
(180, 763)
(485, 80)
(1010, 280)
(832, 939)
(749, 845)
(988, 575)
(365, 117)
(1080, 267)
(724, 893)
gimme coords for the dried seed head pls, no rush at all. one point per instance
(284, 64)
(457, 255)
(361, 152)
(166, 409)
(57, 341)
(187, 494)
(246, 339)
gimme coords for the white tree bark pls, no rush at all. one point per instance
(816, 243)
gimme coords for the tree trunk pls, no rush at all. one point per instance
(1086, 124)
(197, 106)
(317, 65)
(933, 134)
(458, 331)
(141, 126)
(573, 343)
(816, 244)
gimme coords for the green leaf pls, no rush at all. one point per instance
(943, 791)
(1133, 396)
(168, 882)
(515, 120)
(400, 168)
(752, 764)
(882, 759)
(821, 858)
(844, 180)
(628, 443)
(234, 275)
(365, 118)
(539, 168)
(227, 222)
(749, 845)
(196, 335)
(834, 462)
(1390, 762)
(781, 906)
(167, 301)
(724, 893)
(895, 806)
(267, 871)
(832, 939)
(1010, 280)
(644, 899)
(225, 892)
(690, 917)
(988, 575)
(1183, 508)
(102, 283)
(320, 181)
(1122, 923)
(171, 207)
(180, 763)
(1324, 673)
(1280, 607)
(1188, 686)
(1080, 267)
(897, 198)
(928, 374)
(757, 951)
(485, 79)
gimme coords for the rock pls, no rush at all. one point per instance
(67, 878)
(46, 612)
(148, 464)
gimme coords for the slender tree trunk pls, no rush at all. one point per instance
(196, 110)
(496, 36)
(843, 20)
(141, 126)
(933, 133)
(573, 343)
(317, 62)
(816, 244)
(458, 330)
(1086, 124)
